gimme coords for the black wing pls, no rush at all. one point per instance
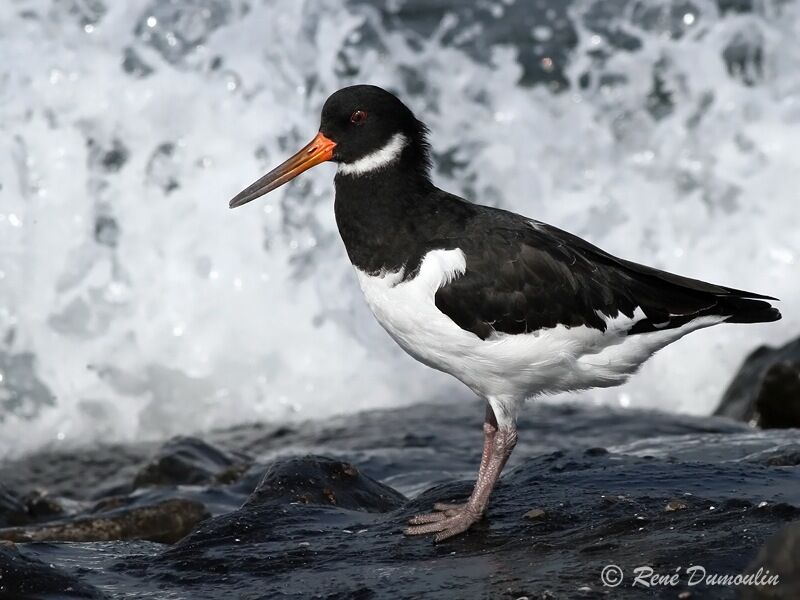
(523, 275)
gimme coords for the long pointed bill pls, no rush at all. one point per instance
(318, 150)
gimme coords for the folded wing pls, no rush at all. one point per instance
(547, 277)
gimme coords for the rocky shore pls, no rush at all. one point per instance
(315, 510)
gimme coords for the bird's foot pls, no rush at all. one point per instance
(447, 520)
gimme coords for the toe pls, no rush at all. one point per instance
(455, 526)
(427, 528)
(447, 506)
(427, 518)
(451, 531)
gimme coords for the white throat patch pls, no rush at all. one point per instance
(378, 159)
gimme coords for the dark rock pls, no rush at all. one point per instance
(596, 451)
(534, 514)
(332, 552)
(21, 510)
(675, 504)
(312, 529)
(25, 578)
(786, 456)
(778, 401)
(779, 556)
(766, 390)
(110, 503)
(165, 522)
(190, 461)
(323, 481)
(12, 509)
(40, 506)
(83, 473)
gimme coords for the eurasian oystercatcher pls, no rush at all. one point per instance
(510, 306)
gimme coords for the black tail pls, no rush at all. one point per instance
(674, 301)
(748, 310)
(669, 300)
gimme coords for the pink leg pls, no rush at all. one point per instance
(450, 519)
(446, 509)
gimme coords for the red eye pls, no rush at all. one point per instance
(358, 117)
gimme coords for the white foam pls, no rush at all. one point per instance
(189, 323)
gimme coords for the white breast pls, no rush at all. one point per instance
(510, 367)
(407, 309)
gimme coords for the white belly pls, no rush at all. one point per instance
(512, 367)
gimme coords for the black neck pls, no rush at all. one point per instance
(380, 214)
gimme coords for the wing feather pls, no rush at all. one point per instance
(523, 276)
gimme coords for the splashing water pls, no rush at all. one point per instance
(134, 304)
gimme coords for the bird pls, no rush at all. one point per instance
(512, 307)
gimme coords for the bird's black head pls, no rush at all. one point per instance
(365, 129)
(366, 121)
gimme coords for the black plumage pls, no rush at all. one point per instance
(521, 275)
(517, 276)
(528, 275)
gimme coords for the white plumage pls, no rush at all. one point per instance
(376, 160)
(503, 274)
(506, 369)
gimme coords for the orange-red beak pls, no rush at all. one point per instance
(318, 150)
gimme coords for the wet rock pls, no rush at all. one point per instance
(312, 493)
(25, 578)
(190, 461)
(16, 509)
(164, 522)
(535, 514)
(80, 474)
(778, 401)
(675, 504)
(336, 552)
(12, 509)
(785, 459)
(323, 481)
(313, 526)
(766, 390)
(779, 556)
(40, 506)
